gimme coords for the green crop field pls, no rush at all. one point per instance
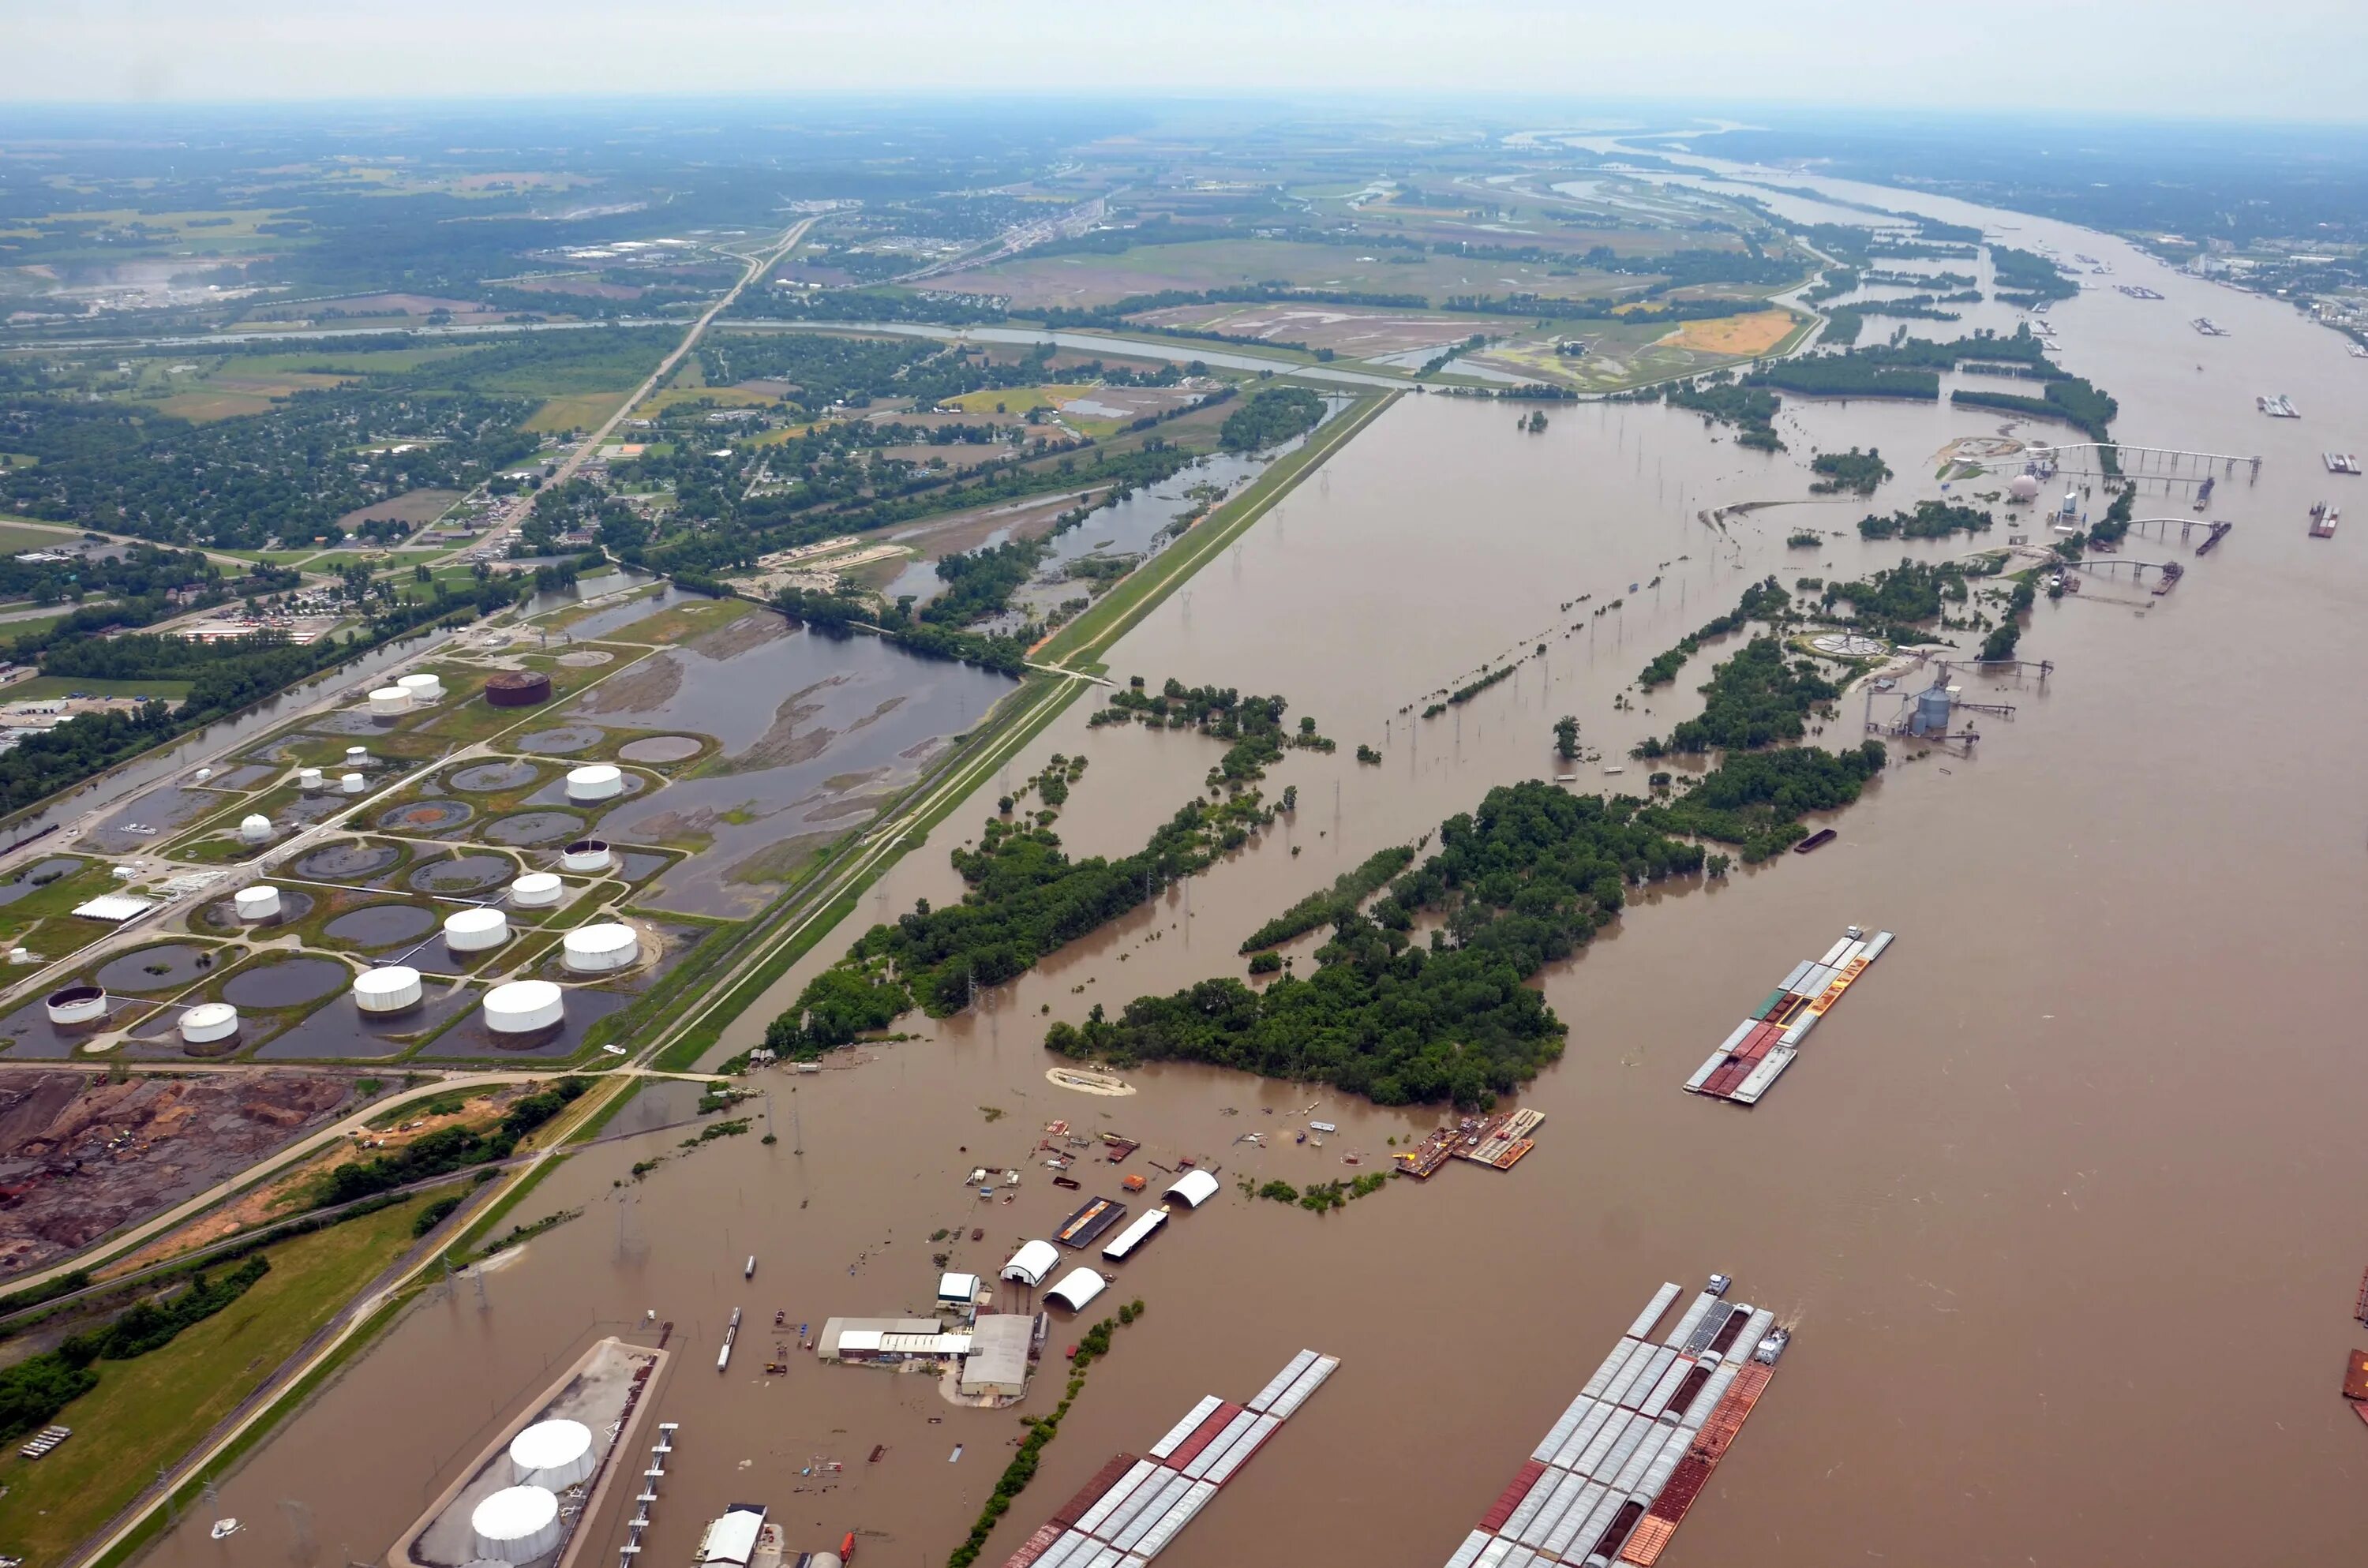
(150, 1411)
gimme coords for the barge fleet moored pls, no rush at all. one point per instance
(1133, 1507)
(1615, 1476)
(2323, 519)
(1764, 1044)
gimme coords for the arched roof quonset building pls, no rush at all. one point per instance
(1195, 1188)
(1077, 1288)
(1032, 1263)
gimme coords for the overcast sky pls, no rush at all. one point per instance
(2277, 59)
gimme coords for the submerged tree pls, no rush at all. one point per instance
(1566, 738)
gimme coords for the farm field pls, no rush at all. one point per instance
(1083, 280)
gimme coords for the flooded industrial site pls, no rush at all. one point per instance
(2059, 1207)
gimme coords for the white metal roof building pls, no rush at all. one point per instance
(998, 1362)
(731, 1539)
(116, 907)
(1195, 1188)
(957, 1289)
(1032, 1263)
(1077, 1288)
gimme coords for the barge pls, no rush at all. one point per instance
(1499, 1141)
(1132, 1508)
(2277, 405)
(1759, 1049)
(2341, 463)
(2323, 519)
(2208, 327)
(1096, 1215)
(1615, 1476)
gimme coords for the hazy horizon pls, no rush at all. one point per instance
(2178, 60)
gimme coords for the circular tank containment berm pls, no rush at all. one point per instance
(536, 890)
(524, 1007)
(387, 989)
(518, 688)
(475, 930)
(595, 781)
(599, 949)
(209, 1023)
(258, 902)
(76, 1005)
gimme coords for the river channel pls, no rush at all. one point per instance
(2063, 1204)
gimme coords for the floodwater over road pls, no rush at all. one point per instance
(2063, 1205)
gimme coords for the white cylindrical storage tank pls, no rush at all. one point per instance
(516, 1524)
(307, 779)
(586, 855)
(255, 829)
(595, 781)
(208, 1022)
(474, 930)
(388, 701)
(555, 1454)
(353, 784)
(595, 949)
(77, 1005)
(358, 756)
(424, 688)
(257, 902)
(536, 890)
(523, 1006)
(390, 988)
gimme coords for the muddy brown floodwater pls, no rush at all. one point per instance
(2063, 1204)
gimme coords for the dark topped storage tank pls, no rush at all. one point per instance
(518, 688)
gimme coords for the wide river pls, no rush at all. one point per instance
(2063, 1202)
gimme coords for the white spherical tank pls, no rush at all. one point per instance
(474, 930)
(257, 902)
(2023, 487)
(353, 784)
(388, 701)
(516, 1524)
(424, 688)
(390, 988)
(308, 780)
(596, 949)
(595, 781)
(524, 1007)
(255, 829)
(209, 1023)
(556, 1454)
(536, 890)
(586, 855)
(76, 1005)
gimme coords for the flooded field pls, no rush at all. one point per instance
(2061, 1205)
(813, 731)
